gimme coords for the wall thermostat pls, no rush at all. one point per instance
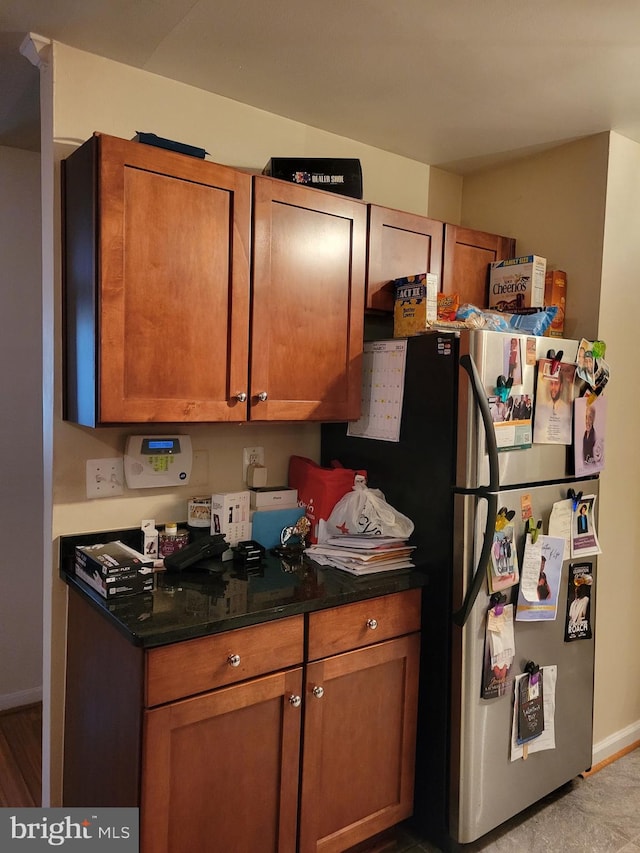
(153, 461)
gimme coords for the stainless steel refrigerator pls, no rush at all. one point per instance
(450, 471)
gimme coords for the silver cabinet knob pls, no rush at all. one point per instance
(372, 624)
(318, 692)
(233, 660)
(241, 397)
(262, 396)
(295, 701)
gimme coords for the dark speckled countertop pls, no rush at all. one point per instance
(192, 604)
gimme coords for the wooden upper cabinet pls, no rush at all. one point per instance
(467, 255)
(307, 309)
(399, 244)
(156, 285)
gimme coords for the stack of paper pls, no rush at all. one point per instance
(361, 554)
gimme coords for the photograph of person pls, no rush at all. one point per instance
(579, 607)
(582, 521)
(552, 422)
(589, 420)
(512, 360)
(544, 590)
(589, 437)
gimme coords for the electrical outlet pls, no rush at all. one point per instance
(105, 477)
(251, 456)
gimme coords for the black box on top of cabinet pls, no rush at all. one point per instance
(336, 174)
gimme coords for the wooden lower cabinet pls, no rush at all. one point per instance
(359, 744)
(239, 741)
(221, 770)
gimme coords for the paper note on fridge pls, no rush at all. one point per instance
(540, 579)
(560, 523)
(547, 740)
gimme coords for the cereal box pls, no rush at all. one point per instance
(416, 304)
(555, 293)
(517, 283)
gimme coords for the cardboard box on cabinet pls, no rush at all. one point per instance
(336, 174)
(555, 293)
(517, 284)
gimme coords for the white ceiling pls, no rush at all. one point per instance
(452, 83)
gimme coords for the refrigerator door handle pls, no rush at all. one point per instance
(489, 492)
(481, 401)
(461, 615)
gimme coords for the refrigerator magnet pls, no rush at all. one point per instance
(553, 404)
(584, 539)
(540, 579)
(579, 592)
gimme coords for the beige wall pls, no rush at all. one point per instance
(618, 641)
(89, 94)
(555, 204)
(20, 430)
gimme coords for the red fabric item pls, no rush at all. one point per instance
(319, 489)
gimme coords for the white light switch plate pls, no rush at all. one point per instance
(105, 477)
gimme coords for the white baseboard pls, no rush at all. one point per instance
(22, 697)
(615, 743)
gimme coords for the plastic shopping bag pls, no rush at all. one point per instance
(365, 510)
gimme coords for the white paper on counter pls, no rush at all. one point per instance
(547, 739)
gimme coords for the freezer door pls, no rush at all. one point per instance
(490, 352)
(486, 787)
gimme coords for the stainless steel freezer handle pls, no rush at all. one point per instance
(481, 401)
(488, 492)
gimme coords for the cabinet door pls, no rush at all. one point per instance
(399, 244)
(467, 255)
(307, 303)
(220, 771)
(359, 744)
(171, 284)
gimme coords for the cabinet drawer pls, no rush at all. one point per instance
(352, 626)
(194, 666)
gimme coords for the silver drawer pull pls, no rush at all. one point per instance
(241, 397)
(372, 624)
(233, 660)
(295, 701)
(262, 396)
(318, 692)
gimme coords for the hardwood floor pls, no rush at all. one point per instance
(21, 757)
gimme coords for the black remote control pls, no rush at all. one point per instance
(203, 548)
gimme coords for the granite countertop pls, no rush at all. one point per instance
(192, 604)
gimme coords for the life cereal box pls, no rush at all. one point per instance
(416, 304)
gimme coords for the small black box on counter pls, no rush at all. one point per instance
(336, 174)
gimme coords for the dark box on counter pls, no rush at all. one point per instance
(110, 558)
(118, 585)
(114, 569)
(336, 174)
